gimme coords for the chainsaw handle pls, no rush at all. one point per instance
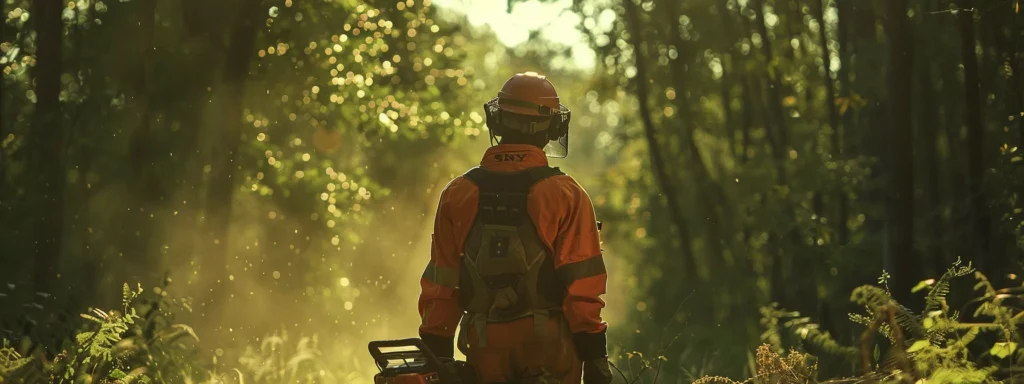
(380, 357)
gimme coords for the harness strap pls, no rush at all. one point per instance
(476, 321)
(540, 322)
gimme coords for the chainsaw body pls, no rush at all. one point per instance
(409, 361)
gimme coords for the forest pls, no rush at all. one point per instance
(242, 191)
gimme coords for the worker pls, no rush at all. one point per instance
(515, 259)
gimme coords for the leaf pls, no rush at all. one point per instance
(82, 337)
(1002, 350)
(91, 318)
(844, 104)
(117, 374)
(922, 285)
(919, 345)
(957, 375)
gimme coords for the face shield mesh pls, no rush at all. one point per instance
(559, 147)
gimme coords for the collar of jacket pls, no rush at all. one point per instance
(513, 157)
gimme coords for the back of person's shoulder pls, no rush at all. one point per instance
(457, 184)
(560, 183)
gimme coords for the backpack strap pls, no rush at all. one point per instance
(503, 195)
(515, 182)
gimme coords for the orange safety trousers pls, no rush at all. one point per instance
(514, 354)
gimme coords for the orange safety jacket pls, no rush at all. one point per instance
(566, 224)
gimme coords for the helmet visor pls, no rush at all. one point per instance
(559, 146)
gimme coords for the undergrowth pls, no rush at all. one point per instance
(938, 345)
(139, 342)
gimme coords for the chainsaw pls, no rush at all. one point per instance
(409, 361)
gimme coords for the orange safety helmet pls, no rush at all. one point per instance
(531, 94)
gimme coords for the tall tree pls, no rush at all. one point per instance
(143, 150)
(929, 129)
(900, 232)
(778, 137)
(48, 144)
(979, 219)
(844, 11)
(801, 295)
(833, 118)
(657, 159)
(708, 190)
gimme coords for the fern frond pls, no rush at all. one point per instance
(874, 297)
(860, 319)
(824, 341)
(936, 298)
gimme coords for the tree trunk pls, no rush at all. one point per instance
(787, 11)
(843, 26)
(748, 121)
(224, 162)
(929, 130)
(833, 118)
(728, 59)
(48, 145)
(980, 226)
(715, 206)
(138, 237)
(81, 194)
(712, 193)
(951, 113)
(657, 160)
(801, 295)
(900, 234)
(778, 137)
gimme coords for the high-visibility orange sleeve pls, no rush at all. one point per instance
(439, 301)
(566, 221)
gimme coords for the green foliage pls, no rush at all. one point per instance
(939, 347)
(11, 361)
(139, 343)
(135, 343)
(275, 361)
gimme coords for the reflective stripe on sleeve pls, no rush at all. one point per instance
(593, 266)
(448, 277)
